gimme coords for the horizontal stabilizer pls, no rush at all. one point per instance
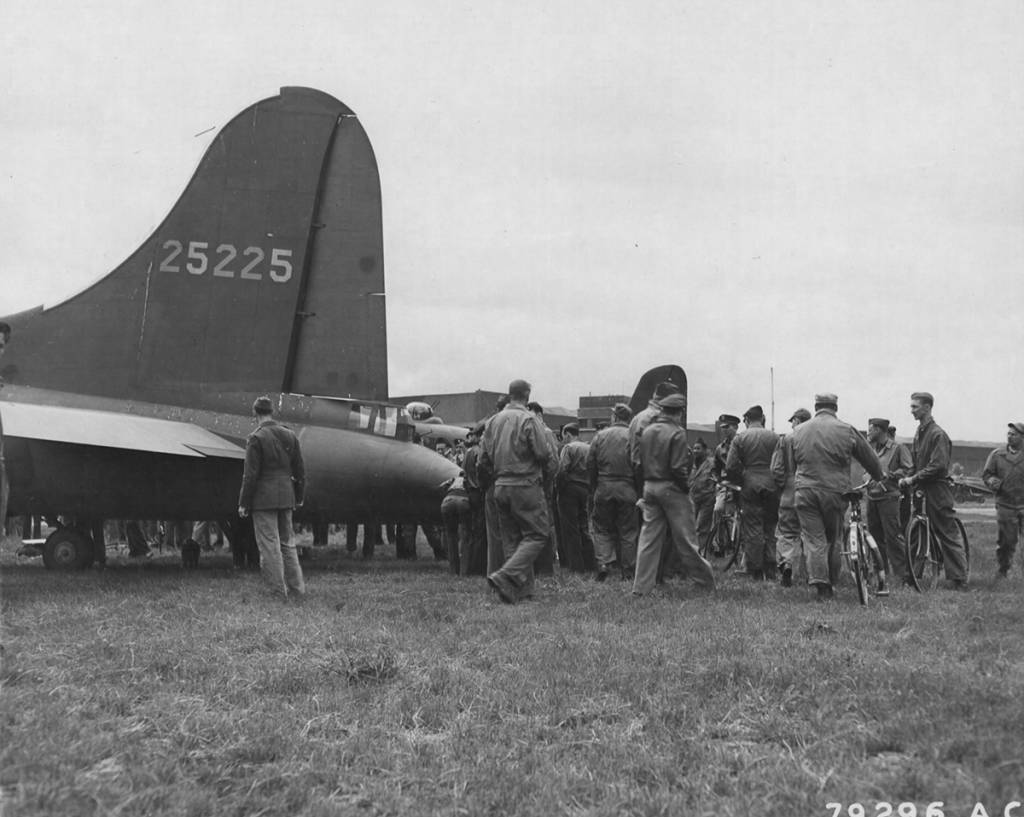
(108, 429)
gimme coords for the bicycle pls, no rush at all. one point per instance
(861, 553)
(925, 562)
(727, 533)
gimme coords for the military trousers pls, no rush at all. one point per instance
(757, 529)
(279, 558)
(457, 519)
(1011, 524)
(940, 511)
(615, 524)
(525, 528)
(495, 552)
(667, 508)
(821, 525)
(884, 525)
(789, 549)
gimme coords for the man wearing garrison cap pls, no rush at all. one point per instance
(884, 497)
(789, 547)
(611, 480)
(749, 464)
(515, 450)
(573, 487)
(822, 450)
(932, 453)
(1004, 474)
(665, 467)
(728, 425)
(273, 482)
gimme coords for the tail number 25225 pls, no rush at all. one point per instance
(197, 261)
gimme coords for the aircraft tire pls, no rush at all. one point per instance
(67, 549)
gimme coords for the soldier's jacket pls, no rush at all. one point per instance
(572, 463)
(784, 470)
(702, 485)
(1007, 467)
(664, 454)
(896, 463)
(640, 421)
(608, 458)
(274, 475)
(822, 450)
(932, 453)
(750, 459)
(515, 447)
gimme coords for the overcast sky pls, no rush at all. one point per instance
(576, 192)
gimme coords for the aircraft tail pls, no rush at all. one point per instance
(266, 276)
(649, 381)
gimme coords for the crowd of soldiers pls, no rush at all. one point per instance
(640, 501)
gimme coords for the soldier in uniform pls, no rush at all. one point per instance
(477, 562)
(884, 497)
(272, 485)
(573, 490)
(665, 465)
(932, 452)
(728, 423)
(702, 492)
(822, 452)
(749, 464)
(1004, 474)
(515, 449)
(611, 481)
(789, 548)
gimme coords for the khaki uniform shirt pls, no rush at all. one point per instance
(1008, 467)
(515, 447)
(822, 450)
(274, 475)
(608, 457)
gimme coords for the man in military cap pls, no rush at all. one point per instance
(515, 450)
(749, 464)
(644, 418)
(789, 547)
(931, 456)
(728, 425)
(477, 564)
(573, 491)
(822, 451)
(610, 476)
(273, 482)
(702, 492)
(884, 497)
(1004, 474)
(665, 466)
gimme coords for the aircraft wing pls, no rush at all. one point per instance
(109, 429)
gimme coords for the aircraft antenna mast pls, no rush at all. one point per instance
(771, 381)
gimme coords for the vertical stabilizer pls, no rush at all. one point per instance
(258, 280)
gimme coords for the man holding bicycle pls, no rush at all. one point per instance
(1004, 474)
(932, 452)
(822, 450)
(884, 497)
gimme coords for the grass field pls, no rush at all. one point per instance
(396, 689)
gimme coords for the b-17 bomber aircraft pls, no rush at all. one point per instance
(132, 399)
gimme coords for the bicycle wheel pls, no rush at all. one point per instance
(967, 548)
(924, 559)
(916, 544)
(859, 560)
(734, 541)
